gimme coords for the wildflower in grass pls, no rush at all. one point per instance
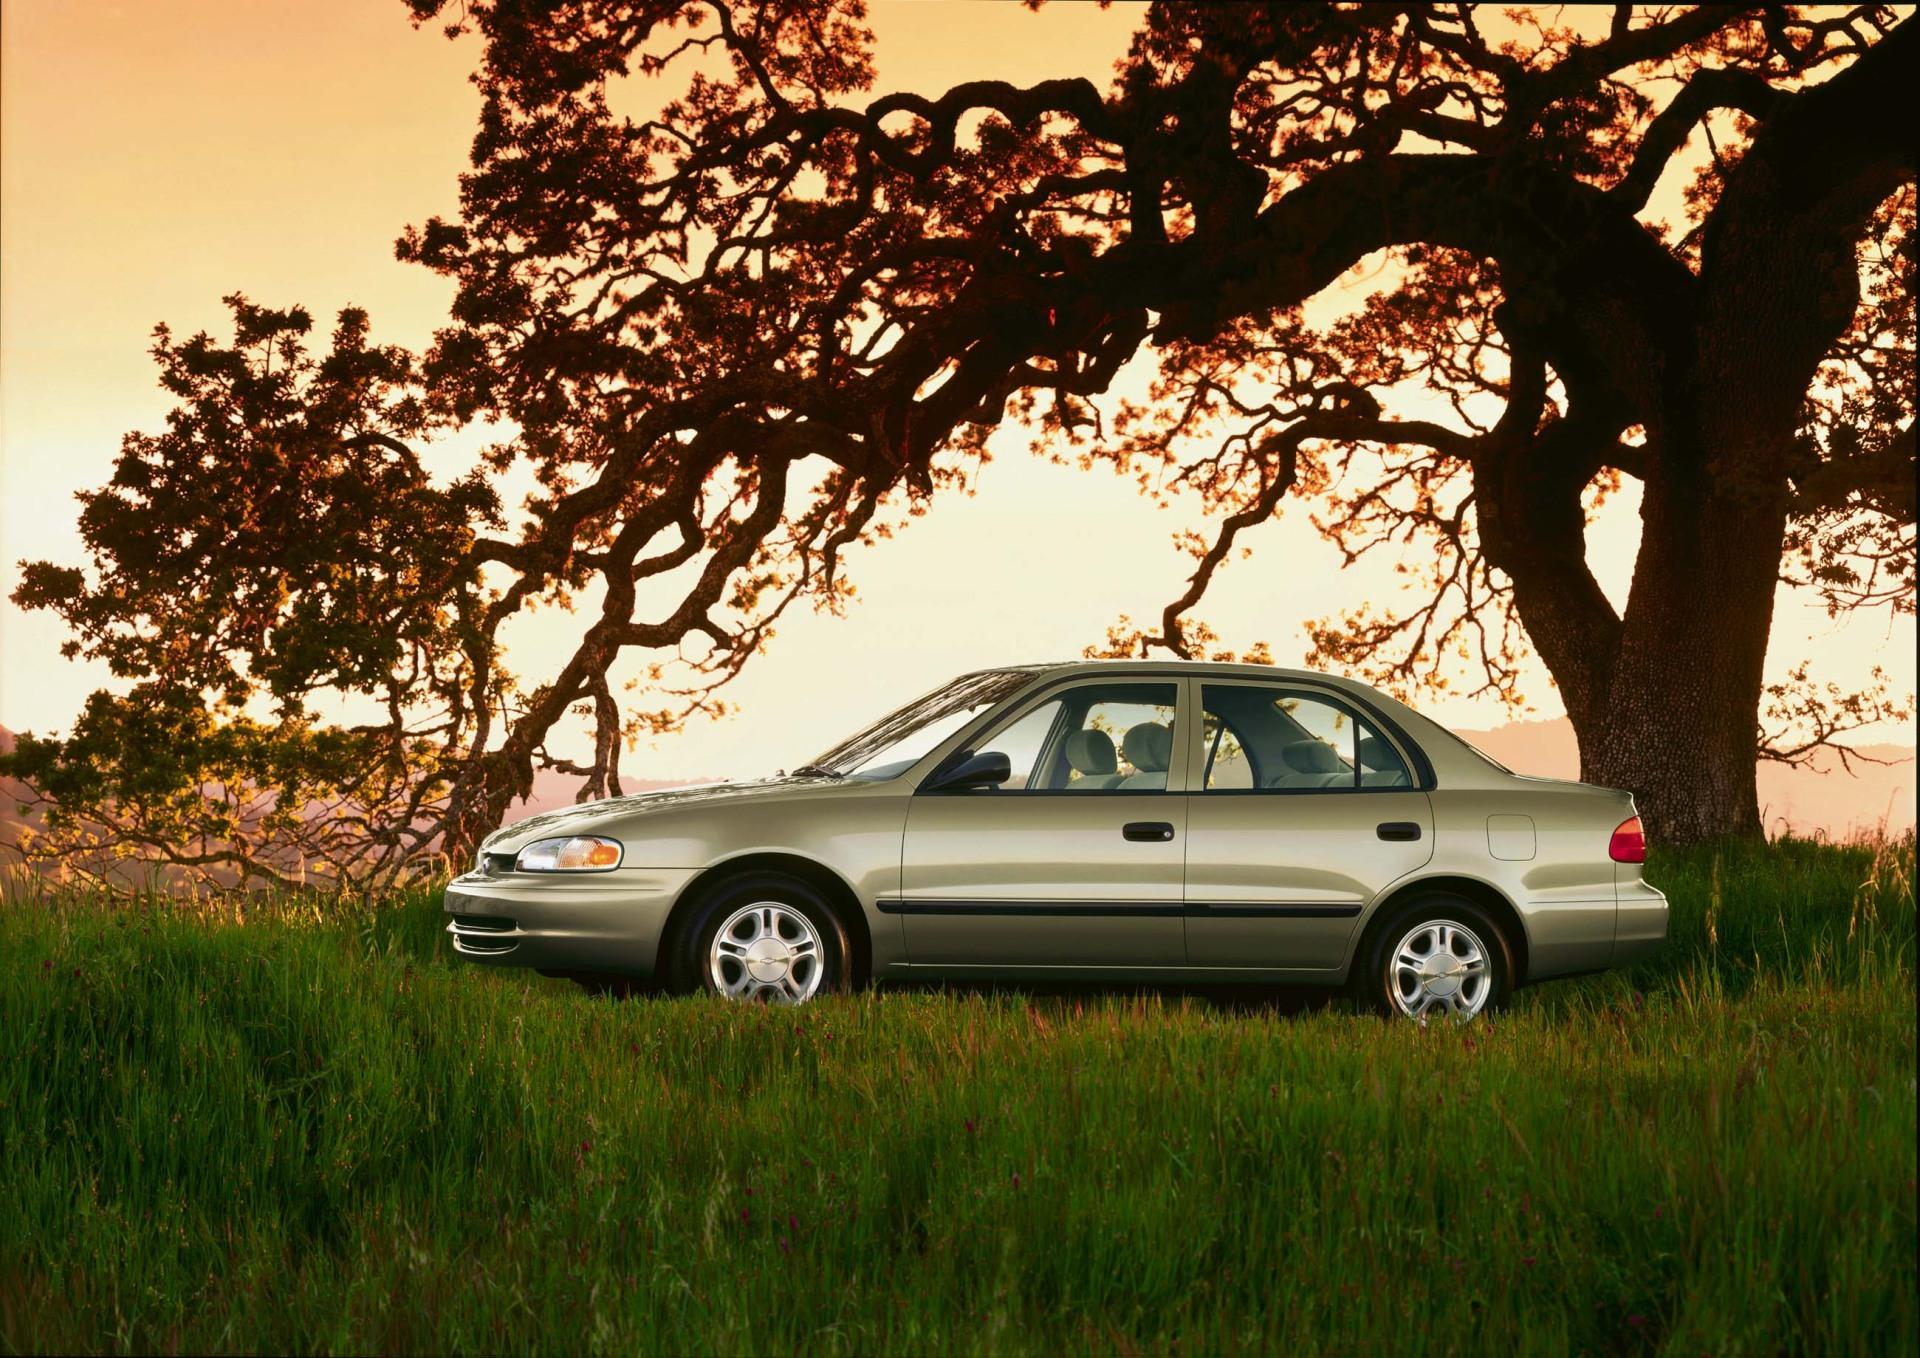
(970, 1127)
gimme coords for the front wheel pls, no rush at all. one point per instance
(1437, 957)
(765, 940)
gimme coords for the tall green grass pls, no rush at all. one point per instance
(306, 1130)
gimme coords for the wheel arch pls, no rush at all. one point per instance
(1483, 894)
(833, 888)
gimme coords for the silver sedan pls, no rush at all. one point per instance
(1119, 821)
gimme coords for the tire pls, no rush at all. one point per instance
(782, 943)
(1394, 976)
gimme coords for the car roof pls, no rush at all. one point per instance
(1172, 664)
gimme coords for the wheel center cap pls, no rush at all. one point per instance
(1440, 974)
(767, 959)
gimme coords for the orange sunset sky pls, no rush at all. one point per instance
(159, 154)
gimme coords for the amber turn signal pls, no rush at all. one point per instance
(576, 853)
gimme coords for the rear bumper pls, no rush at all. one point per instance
(1641, 926)
(598, 922)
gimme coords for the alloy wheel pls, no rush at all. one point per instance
(766, 952)
(1440, 967)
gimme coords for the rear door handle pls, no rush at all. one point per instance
(1398, 830)
(1148, 831)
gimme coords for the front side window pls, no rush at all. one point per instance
(1114, 737)
(1259, 738)
(1022, 743)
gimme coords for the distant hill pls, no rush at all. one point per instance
(1820, 798)
(553, 790)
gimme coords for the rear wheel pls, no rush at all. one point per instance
(1437, 957)
(762, 940)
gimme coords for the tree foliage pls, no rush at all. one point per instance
(277, 543)
(736, 316)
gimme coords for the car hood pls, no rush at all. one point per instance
(583, 818)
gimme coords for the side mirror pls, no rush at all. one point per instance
(969, 772)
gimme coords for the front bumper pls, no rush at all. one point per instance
(594, 922)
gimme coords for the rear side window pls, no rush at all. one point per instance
(1266, 739)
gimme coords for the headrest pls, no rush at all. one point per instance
(1375, 753)
(1091, 752)
(1148, 747)
(1311, 756)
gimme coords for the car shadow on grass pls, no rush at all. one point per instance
(1286, 1001)
(1251, 1000)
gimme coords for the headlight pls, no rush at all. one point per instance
(575, 853)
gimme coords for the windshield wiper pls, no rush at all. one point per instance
(815, 771)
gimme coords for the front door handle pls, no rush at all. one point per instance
(1148, 831)
(1398, 830)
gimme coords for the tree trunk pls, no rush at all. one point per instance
(1678, 727)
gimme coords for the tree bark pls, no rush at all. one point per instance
(1678, 723)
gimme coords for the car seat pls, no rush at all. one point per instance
(1380, 766)
(1311, 763)
(1092, 756)
(1149, 748)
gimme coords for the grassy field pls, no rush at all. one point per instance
(295, 1133)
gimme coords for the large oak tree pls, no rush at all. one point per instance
(737, 316)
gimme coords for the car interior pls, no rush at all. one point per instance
(1139, 764)
(1120, 738)
(1264, 738)
(1094, 738)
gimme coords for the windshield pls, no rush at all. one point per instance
(902, 739)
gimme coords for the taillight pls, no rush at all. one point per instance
(1629, 842)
